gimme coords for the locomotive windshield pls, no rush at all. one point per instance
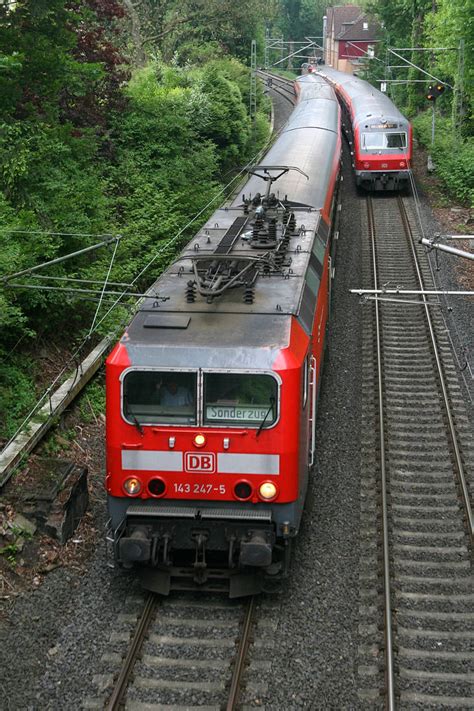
(234, 399)
(379, 141)
(151, 397)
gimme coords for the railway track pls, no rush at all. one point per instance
(284, 87)
(186, 652)
(416, 594)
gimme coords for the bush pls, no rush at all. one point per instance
(17, 394)
(159, 166)
(453, 157)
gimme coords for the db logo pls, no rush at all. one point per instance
(202, 462)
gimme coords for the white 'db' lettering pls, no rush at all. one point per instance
(203, 462)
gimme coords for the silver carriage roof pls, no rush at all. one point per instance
(308, 150)
(367, 101)
(232, 331)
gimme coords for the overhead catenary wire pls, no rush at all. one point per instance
(112, 259)
(55, 234)
(59, 260)
(71, 290)
(79, 280)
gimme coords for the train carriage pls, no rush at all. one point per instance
(211, 392)
(381, 136)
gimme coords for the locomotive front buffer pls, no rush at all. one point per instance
(181, 548)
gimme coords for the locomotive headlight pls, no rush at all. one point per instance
(132, 486)
(199, 440)
(267, 491)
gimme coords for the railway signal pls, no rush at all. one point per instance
(435, 91)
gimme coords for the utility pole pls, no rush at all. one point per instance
(458, 108)
(253, 82)
(290, 61)
(266, 57)
(434, 91)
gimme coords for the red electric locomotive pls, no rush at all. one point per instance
(211, 393)
(380, 134)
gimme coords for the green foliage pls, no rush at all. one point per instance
(162, 29)
(229, 127)
(165, 169)
(92, 400)
(17, 392)
(454, 158)
(300, 18)
(83, 151)
(10, 552)
(453, 25)
(197, 54)
(426, 25)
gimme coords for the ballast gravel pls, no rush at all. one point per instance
(53, 638)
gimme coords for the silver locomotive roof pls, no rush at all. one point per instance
(368, 103)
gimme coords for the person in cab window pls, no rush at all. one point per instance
(174, 395)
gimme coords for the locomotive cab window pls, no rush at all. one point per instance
(151, 397)
(396, 140)
(240, 399)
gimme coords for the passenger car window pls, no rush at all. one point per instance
(234, 399)
(151, 397)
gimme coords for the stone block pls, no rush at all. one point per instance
(69, 506)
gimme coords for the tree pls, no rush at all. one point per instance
(301, 18)
(159, 27)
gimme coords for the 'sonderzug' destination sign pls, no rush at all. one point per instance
(242, 413)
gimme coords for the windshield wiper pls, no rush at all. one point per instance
(137, 424)
(272, 402)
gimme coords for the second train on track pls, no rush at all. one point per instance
(380, 136)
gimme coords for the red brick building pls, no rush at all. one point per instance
(349, 37)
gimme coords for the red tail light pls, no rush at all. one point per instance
(242, 490)
(157, 487)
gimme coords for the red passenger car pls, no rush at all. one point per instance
(380, 135)
(211, 393)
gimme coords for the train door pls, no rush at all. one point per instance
(313, 398)
(305, 444)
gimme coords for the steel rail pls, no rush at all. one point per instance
(241, 656)
(388, 631)
(120, 689)
(284, 87)
(285, 95)
(276, 77)
(452, 430)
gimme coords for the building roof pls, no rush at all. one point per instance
(340, 14)
(347, 22)
(357, 31)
